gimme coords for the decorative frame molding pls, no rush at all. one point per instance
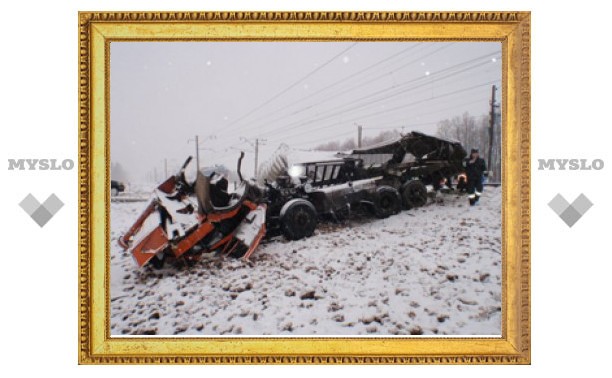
(98, 29)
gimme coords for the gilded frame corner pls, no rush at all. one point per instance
(97, 29)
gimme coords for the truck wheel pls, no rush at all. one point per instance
(414, 194)
(298, 219)
(386, 202)
(158, 262)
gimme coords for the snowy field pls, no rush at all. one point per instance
(435, 270)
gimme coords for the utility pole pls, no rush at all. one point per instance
(491, 126)
(257, 142)
(197, 147)
(165, 167)
(256, 156)
(255, 146)
(359, 132)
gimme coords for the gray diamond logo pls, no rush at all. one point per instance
(570, 213)
(41, 213)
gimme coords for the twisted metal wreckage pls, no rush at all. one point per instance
(184, 220)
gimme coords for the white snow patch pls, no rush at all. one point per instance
(435, 270)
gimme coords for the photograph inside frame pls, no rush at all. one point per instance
(306, 189)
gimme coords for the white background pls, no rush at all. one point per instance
(571, 269)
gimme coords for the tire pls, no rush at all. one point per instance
(157, 262)
(414, 194)
(298, 219)
(386, 202)
(114, 192)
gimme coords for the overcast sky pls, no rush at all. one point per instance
(299, 93)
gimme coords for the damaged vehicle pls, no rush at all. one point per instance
(383, 178)
(411, 162)
(184, 220)
(322, 189)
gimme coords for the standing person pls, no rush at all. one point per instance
(475, 168)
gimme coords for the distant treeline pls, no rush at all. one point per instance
(350, 144)
(473, 132)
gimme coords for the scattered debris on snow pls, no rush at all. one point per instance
(434, 270)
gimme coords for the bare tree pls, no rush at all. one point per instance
(473, 132)
(329, 146)
(349, 144)
(118, 172)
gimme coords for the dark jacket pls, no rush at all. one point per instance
(476, 169)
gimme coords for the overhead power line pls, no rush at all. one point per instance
(335, 83)
(397, 122)
(359, 118)
(282, 92)
(354, 104)
(349, 89)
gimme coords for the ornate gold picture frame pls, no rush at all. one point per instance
(98, 29)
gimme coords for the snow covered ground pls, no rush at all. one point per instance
(435, 270)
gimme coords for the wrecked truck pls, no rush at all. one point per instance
(324, 189)
(184, 220)
(383, 178)
(412, 161)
